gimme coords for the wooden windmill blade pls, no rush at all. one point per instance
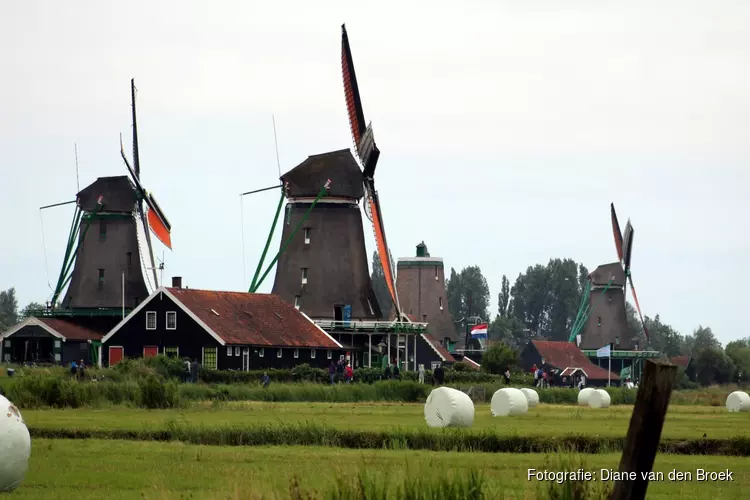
(627, 247)
(152, 218)
(368, 153)
(364, 139)
(616, 232)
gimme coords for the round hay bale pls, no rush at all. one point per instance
(447, 407)
(583, 396)
(738, 401)
(599, 398)
(532, 397)
(15, 446)
(508, 401)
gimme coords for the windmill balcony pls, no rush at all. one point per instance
(371, 326)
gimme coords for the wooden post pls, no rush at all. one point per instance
(644, 433)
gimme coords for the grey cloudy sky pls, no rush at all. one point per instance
(506, 129)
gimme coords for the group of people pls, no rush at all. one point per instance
(545, 378)
(77, 370)
(341, 372)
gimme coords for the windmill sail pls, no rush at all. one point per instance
(616, 232)
(368, 153)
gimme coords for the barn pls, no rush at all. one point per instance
(50, 341)
(221, 330)
(568, 359)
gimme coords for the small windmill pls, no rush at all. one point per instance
(99, 267)
(602, 316)
(368, 154)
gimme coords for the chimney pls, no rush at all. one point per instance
(176, 281)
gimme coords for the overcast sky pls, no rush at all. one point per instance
(506, 129)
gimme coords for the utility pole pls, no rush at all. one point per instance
(466, 321)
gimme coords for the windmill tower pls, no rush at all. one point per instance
(324, 271)
(109, 260)
(602, 318)
(421, 292)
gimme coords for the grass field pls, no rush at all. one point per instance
(93, 469)
(683, 422)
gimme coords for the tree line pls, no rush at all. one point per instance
(543, 303)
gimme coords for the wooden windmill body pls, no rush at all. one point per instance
(324, 269)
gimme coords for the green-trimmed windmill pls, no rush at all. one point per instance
(109, 261)
(602, 317)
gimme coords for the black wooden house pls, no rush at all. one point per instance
(51, 341)
(221, 330)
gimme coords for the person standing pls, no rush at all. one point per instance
(439, 375)
(332, 372)
(349, 373)
(421, 374)
(507, 376)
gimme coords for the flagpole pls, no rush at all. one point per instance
(609, 371)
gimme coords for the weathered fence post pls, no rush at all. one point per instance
(644, 433)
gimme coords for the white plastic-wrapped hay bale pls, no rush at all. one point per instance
(738, 401)
(508, 401)
(447, 407)
(583, 396)
(599, 398)
(532, 397)
(15, 446)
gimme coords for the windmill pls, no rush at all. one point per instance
(325, 271)
(602, 317)
(100, 266)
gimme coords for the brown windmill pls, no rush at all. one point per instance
(602, 317)
(109, 260)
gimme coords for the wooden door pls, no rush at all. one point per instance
(150, 351)
(115, 355)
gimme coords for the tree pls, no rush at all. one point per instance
(503, 298)
(704, 338)
(546, 299)
(663, 338)
(26, 311)
(380, 287)
(498, 357)
(739, 352)
(509, 330)
(713, 366)
(465, 290)
(8, 309)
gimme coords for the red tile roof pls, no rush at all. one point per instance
(253, 318)
(439, 348)
(681, 361)
(563, 355)
(71, 330)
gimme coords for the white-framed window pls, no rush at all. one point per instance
(209, 357)
(435, 364)
(229, 350)
(172, 352)
(296, 301)
(58, 344)
(307, 236)
(261, 352)
(278, 353)
(171, 320)
(57, 357)
(7, 343)
(151, 320)
(237, 351)
(296, 353)
(304, 275)
(7, 357)
(440, 299)
(329, 354)
(312, 353)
